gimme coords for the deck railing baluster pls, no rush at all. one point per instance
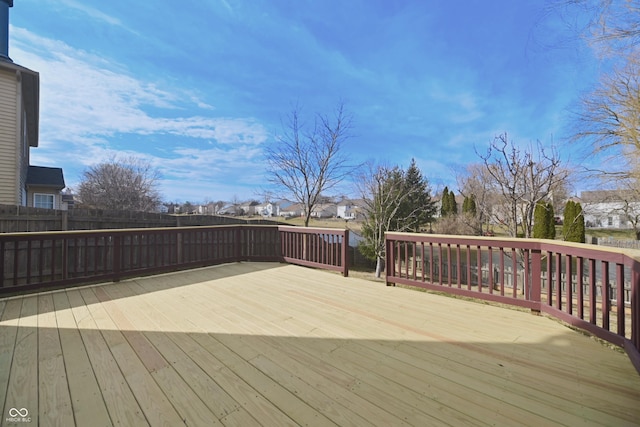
(580, 286)
(568, 273)
(565, 266)
(63, 259)
(620, 298)
(604, 290)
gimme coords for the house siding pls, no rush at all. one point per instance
(609, 208)
(9, 150)
(23, 155)
(608, 214)
(43, 190)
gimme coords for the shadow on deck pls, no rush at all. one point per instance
(272, 344)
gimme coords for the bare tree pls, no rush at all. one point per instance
(392, 202)
(307, 162)
(477, 182)
(610, 26)
(522, 178)
(610, 115)
(121, 183)
(624, 199)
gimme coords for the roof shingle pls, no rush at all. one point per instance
(45, 177)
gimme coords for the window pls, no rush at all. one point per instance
(43, 201)
(610, 221)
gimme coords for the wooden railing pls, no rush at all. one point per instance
(31, 261)
(316, 247)
(593, 288)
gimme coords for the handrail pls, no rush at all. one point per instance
(30, 261)
(316, 247)
(593, 288)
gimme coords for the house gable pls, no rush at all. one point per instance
(19, 118)
(43, 181)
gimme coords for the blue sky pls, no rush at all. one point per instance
(200, 87)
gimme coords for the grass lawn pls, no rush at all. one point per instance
(611, 232)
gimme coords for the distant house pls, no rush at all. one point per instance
(291, 209)
(229, 209)
(44, 186)
(324, 210)
(248, 208)
(350, 209)
(267, 209)
(19, 129)
(68, 201)
(609, 208)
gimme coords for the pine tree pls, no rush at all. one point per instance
(417, 208)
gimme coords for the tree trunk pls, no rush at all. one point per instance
(379, 267)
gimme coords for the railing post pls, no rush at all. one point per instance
(345, 254)
(282, 235)
(536, 278)
(620, 298)
(388, 261)
(606, 300)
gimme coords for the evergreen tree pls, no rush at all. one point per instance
(568, 217)
(544, 221)
(540, 219)
(551, 222)
(469, 206)
(417, 208)
(444, 202)
(452, 205)
(573, 226)
(395, 201)
(580, 229)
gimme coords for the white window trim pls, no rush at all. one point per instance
(52, 196)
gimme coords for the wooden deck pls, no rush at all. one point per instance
(275, 345)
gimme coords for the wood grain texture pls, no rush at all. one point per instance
(269, 344)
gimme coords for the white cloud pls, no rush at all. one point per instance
(94, 13)
(87, 103)
(86, 95)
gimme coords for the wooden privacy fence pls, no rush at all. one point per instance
(18, 219)
(52, 259)
(590, 287)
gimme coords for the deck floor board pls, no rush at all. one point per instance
(279, 345)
